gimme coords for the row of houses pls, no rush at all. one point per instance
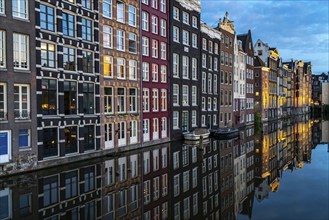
(221, 180)
(82, 78)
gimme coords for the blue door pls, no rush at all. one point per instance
(5, 147)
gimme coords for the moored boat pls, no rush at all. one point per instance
(224, 133)
(197, 134)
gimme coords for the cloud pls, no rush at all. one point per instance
(299, 28)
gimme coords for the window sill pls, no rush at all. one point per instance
(25, 149)
(22, 71)
(22, 120)
(3, 69)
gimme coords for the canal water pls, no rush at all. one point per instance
(277, 171)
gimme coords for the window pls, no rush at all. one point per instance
(50, 191)
(155, 100)
(70, 97)
(175, 95)
(2, 48)
(2, 6)
(89, 135)
(210, 83)
(163, 100)
(175, 65)
(154, 24)
(176, 13)
(176, 185)
(146, 100)
(21, 101)
(194, 95)
(175, 120)
(120, 40)
(86, 29)
(194, 22)
(194, 68)
(69, 62)
(122, 133)
(133, 100)
(145, 46)
(186, 40)
(185, 97)
(20, 8)
(146, 69)
(215, 84)
(210, 62)
(87, 3)
(132, 69)
(209, 104)
(120, 12)
(89, 210)
(87, 62)
(185, 67)
(163, 6)
(216, 48)
(134, 197)
(89, 179)
(163, 73)
(88, 98)
(147, 192)
(163, 26)
(71, 143)
(132, 43)
(25, 204)
(154, 4)
(3, 102)
(49, 96)
(50, 138)
(21, 51)
(163, 51)
(155, 72)
(204, 82)
(186, 18)
(215, 63)
(108, 66)
(194, 120)
(47, 55)
(121, 100)
(222, 58)
(186, 181)
(110, 206)
(47, 17)
(194, 40)
(203, 103)
(71, 184)
(108, 100)
(24, 139)
(186, 208)
(176, 34)
(68, 24)
(132, 16)
(204, 60)
(145, 21)
(215, 104)
(155, 48)
(107, 36)
(121, 68)
(107, 8)
(146, 162)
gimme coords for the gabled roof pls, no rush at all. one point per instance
(258, 61)
(245, 39)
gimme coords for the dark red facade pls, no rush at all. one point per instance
(157, 13)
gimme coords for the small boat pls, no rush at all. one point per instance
(224, 133)
(197, 134)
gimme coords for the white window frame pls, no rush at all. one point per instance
(18, 49)
(155, 100)
(175, 120)
(146, 100)
(146, 129)
(176, 94)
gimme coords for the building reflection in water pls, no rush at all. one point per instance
(217, 179)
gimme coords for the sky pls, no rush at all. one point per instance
(298, 28)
